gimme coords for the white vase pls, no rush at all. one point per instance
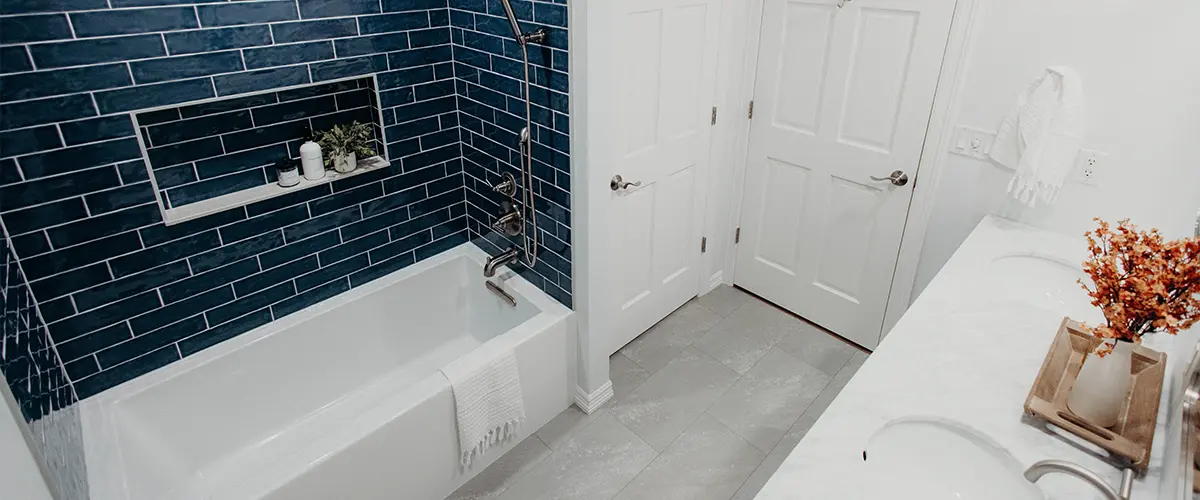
(1102, 386)
(345, 163)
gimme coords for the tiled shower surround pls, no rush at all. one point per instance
(122, 293)
(203, 151)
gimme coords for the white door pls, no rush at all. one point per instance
(665, 54)
(843, 92)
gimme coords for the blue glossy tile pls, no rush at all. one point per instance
(75, 158)
(81, 324)
(245, 160)
(546, 13)
(352, 248)
(432, 36)
(407, 5)
(294, 110)
(30, 140)
(81, 368)
(115, 290)
(235, 13)
(310, 9)
(73, 280)
(227, 104)
(356, 99)
(35, 28)
(123, 197)
(380, 269)
(31, 244)
(192, 42)
(175, 176)
(143, 344)
(344, 199)
(250, 303)
(130, 21)
(400, 246)
(342, 68)
(27, 6)
(445, 243)
(152, 3)
(195, 128)
(310, 297)
(362, 115)
(418, 57)
(94, 341)
(156, 117)
(288, 200)
(54, 310)
(331, 272)
(148, 96)
(261, 136)
(258, 225)
(162, 233)
(184, 152)
(439, 17)
(251, 81)
(162, 254)
(299, 249)
(275, 276)
(214, 295)
(64, 81)
(177, 68)
(104, 225)
(41, 216)
(373, 44)
(319, 89)
(108, 378)
(133, 172)
(37, 112)
(388, 23)
(217, 186)
(96, 129)
(224, 332)
(207, 281)
(314, 30)
(57, 55)
(14, 59)
(282, 55)
(320, 224)
(57, 188)
(229, 253)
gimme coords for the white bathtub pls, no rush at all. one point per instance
(341, 400)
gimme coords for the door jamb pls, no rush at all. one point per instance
(938, 132)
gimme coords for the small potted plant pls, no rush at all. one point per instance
(1143, 285)
(344, 144)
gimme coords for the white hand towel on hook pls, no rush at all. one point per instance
(1042, 135)
(487, 398)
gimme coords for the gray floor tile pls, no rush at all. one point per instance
(665, 340)
(764, 404)
(724, 299)
(733, 348)
(594, 465)
(706, 462)
(817, 348)
(510, 468)
(774, 459)
(839, 381)
(625, 375)
(670, 400)
(565, 425)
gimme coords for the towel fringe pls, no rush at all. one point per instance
(494, 437)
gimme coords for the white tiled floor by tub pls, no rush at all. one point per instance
(707, 404)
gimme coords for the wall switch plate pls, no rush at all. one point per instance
(972, 142)
(1089, 165)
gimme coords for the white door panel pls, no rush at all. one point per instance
(842, 94)
(665, 77)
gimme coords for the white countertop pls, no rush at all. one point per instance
(968, 350)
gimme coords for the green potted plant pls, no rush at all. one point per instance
(344, 144)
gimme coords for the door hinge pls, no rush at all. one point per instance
(737, 236)
(750, 112)
(714, 115)
(703, 245)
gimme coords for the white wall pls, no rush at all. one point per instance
(1140, 65)
(19, 473)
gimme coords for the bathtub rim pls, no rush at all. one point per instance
(103, 456)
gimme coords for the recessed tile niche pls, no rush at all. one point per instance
(214, 155)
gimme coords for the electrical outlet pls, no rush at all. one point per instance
(1089, 165)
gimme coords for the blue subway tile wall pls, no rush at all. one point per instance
(489, 75)
(124, 294)
(202, 151)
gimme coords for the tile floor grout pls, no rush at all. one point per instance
(676, 350)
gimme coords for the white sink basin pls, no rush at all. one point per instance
(1044, 281)
(927, 458)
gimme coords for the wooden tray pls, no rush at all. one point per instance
(1133, 435)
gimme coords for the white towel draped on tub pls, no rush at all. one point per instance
(487, 398)
(1041, 136)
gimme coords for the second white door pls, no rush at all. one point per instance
(843, 94)
(664, 76)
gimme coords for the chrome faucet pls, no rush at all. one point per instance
(509, 256)
(1037, 470)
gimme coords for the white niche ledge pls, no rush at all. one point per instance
(245, 197)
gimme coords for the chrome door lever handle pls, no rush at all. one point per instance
(618, 183)
(898, 178)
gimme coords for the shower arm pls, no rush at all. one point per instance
(537, 36)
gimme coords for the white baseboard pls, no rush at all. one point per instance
(592, 402)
